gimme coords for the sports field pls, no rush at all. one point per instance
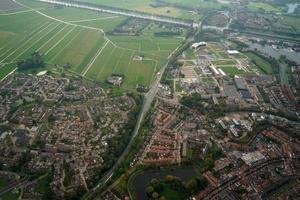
(79, 38)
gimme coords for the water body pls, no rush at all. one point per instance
(292, 7)
(141, 181)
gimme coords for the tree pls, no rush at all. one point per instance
(169, 178)
(34, 61)
(191, 185)
(155, 195)
(149, 190)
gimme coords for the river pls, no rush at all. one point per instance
(141, 181)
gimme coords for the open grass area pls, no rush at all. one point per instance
(232, 70)
(292, 21)
(5, 70)
(198, 3)
(2, 183)
(76, 37)
(224, 62)
(14, 195)
(263, 64)
(148, 7)
(168, 193)
(264, 6)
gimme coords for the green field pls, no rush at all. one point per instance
(263, 64)
(10, 195)
(224, 62)
(147, 6)
(231, 70)
(79, 38)
(292, 21)
(264, 6)
(198, 3)
(5, 70)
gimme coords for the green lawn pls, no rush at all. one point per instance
(170, 194)
(232, 70)
(5, 70)
(2, 183)
(263, 64)
(198, 3)
(145, 6)
(224, 62)
(266, 7)
(14, 195)
(292, 21)
(223, 54)
(43, 185)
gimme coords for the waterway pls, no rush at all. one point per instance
(292, 7)
(141, 181)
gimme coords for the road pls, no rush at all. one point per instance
(13, 186)
(148, 99)
(128, 13)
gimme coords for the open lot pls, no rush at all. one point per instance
(80, 39)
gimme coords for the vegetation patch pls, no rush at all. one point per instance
(260, 62)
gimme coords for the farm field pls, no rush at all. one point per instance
(80, 39)
(5, 70)
(9, 6)
(148, 7)
(198, 3)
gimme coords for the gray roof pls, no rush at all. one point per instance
(240, 83)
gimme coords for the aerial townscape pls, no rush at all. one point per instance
(149, 99)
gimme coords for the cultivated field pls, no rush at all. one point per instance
(79, 38)
(149, 6)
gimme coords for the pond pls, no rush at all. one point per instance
(141, 181)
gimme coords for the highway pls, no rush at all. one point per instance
(123, 12)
